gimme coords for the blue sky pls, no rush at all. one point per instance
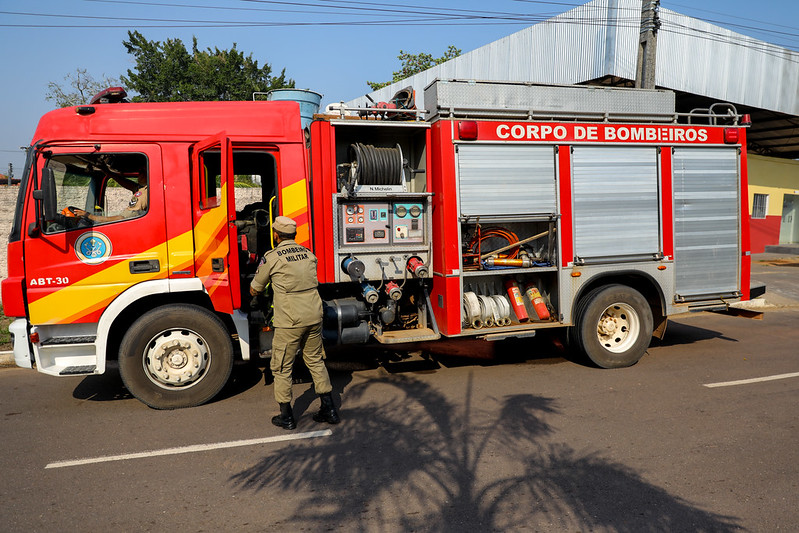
(323, 44)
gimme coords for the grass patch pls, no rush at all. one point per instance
(5, 336)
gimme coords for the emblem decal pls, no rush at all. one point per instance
(93, 248)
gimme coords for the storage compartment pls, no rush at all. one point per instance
(382, 155)
(509, 274)
(504, 300)
(501, 246)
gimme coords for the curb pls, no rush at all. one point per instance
(7, 359)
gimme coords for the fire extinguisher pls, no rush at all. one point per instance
(516, 301)
(539, 305)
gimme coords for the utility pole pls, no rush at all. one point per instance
(647, 49)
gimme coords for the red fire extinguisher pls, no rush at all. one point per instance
(515, 295)
(539, 305)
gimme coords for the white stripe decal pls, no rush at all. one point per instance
(190, 449)
(753, 380)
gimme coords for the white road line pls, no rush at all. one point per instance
(753, 380)
(190, 449)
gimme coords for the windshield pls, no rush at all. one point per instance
(16, 225)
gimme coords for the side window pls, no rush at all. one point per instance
(760, 205)
(94, 189)
(211, 178)
(256, 179)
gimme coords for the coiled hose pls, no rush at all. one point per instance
(376, 166)
(494, 233)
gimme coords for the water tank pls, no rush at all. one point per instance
(309, 101)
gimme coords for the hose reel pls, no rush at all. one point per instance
(372, 165)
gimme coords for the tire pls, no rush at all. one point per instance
(613, 326)
(176, 356)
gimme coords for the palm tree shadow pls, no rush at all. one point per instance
(408, 458)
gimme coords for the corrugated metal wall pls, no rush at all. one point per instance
(555, 51)
(692, 56)
(701, 58)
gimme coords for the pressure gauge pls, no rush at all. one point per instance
(416, 211)
(401, 211)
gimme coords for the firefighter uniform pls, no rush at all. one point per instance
(138, 203)
(291, 269)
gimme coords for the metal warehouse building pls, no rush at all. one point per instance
(598, 44)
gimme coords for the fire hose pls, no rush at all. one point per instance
(485, 311)
(376, 166)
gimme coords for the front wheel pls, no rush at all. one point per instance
(613, 326)
(176, 356)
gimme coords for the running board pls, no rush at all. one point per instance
(407, 335)
(77, 370)
(61, 341)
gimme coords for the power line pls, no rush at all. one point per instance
(738, 18)
(431, 17)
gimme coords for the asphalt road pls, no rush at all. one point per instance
(517, 438)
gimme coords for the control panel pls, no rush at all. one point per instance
(382, 223)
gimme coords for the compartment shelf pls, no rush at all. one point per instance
(508, 271)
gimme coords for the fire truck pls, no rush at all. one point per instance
(498, 210)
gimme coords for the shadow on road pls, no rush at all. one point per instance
(109, 387)
(408, 459)
(102, 388)
(681, 333)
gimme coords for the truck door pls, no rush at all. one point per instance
(214, 214)
(108, 234)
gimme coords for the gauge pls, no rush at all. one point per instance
(401, 210)
(416, 211)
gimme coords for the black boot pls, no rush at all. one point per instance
(327, 411)
(285, 419)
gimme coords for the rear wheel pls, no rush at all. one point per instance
(176, 356)
(613, 326)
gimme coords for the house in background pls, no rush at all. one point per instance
(598, 43)
(773, 201)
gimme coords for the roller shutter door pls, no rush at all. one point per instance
(506, 179)
(706, 214)
(615, 202)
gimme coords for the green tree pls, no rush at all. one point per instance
(415, 63)
(79, 88)
(168, 72)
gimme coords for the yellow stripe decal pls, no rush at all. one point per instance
(95, 291)
(294, 198)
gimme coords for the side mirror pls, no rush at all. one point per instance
(48, 194)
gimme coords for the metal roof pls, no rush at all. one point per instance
(597, 43)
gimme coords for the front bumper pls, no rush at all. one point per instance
(23, 356)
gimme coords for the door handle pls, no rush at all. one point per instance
(218, 264)
(143, 267)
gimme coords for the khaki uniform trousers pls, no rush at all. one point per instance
(285, 345)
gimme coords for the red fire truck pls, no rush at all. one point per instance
(507, 209)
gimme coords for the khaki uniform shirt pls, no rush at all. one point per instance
(291, 268)
(138, 203)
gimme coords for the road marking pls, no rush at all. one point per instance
(190, 449)
(753, 380)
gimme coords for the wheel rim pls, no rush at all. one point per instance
(176, 359)
(618, 327)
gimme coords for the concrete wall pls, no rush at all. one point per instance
(8, 200)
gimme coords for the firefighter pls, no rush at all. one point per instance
(137, 205)
(291, 269)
